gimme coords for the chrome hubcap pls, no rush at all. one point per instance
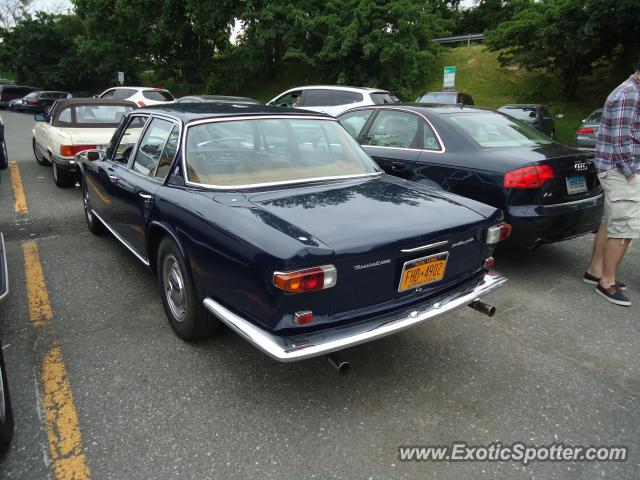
(85, 201)
(174, 288)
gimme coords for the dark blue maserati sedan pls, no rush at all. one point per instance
(276, 223)
(548, 192)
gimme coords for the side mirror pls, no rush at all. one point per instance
(93, 155)
(40, 118)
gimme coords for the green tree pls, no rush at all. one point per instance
(568, 37)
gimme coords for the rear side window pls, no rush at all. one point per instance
(317, 98)
(157, 95)
(151, 147)
(380, 98)
(393, 129)
(429, 139)
(65, 116)
(343, 97)
(595, 117)
(354, 121)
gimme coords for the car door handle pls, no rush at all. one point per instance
(113, 178)
(145, 196)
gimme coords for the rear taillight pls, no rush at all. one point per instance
(528, 177)
(141, 104)
(586, 131)
(307, 280)
(498, 233)
(71, 150)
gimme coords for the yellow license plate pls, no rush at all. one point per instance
(419, 272)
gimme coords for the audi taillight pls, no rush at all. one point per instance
(71, 150)
(586, 131)
(528, 177)
(498, 233)
(307, 280)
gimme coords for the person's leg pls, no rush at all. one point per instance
(614, 251)
(597, 256)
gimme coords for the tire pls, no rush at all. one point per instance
(39, 157)
(95, 226)
(6, 413)
(4, 156)
(62, 178)
(188, 318)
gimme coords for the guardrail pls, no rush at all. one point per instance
(469, 37)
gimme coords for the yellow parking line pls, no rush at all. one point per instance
(37, 294)
(61, 418)
(20, 201)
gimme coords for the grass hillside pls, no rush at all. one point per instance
(479, 73)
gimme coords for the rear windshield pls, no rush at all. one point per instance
(595, 117)
(491, 130)
(438, 97)
(92, 115)
(253, 152)
(521, 113)
(157, 95)
(380, 98)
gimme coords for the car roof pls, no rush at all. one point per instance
(522, 105)
(93, 101)
(187, 112)
(222, 98)
(339, 87)
(444, 108)
(136, 88)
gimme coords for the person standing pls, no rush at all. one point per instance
(617, 160)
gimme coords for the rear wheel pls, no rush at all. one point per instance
(188, 318)
(95, 226)
(62, 177)
(4, 157)
(6, 413)
(39, 157)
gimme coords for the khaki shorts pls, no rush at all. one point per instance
(621, 204)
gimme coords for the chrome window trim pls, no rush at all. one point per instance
(266, 184)
(6, 269)
(121, 239)
(443, 149)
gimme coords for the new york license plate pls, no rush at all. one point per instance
(577, 184)
(421, 271)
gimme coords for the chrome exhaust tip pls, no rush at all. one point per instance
(482, 307)
(340, 364)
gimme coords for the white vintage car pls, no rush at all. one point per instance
(72, 126)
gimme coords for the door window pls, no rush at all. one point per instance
(393, 129)
(168, 154)
(151, 147)
(128, 140)
(291, 99)
(108, 94)
(354, 121)
(317, 98)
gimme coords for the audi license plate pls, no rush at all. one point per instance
(577, 184)
(421, 271)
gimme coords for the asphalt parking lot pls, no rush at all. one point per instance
(102, 387)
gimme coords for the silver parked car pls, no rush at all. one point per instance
(588, 131)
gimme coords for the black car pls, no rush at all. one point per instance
(6, 414)
(10, 92)
(548, 192)
(538, 116)
(38, 102)
(276, 223)
(226, 99)
(445, 98)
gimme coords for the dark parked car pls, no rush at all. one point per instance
(548, 192)
(588, 132)
(276, 223)
(4, 157)
(536, 116)
(9, 92)
(445, 98)
(218, 99)
(6, 413)
(38, 102)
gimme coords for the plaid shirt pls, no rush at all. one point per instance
(618, 144)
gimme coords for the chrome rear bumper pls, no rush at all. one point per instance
(299, 347)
